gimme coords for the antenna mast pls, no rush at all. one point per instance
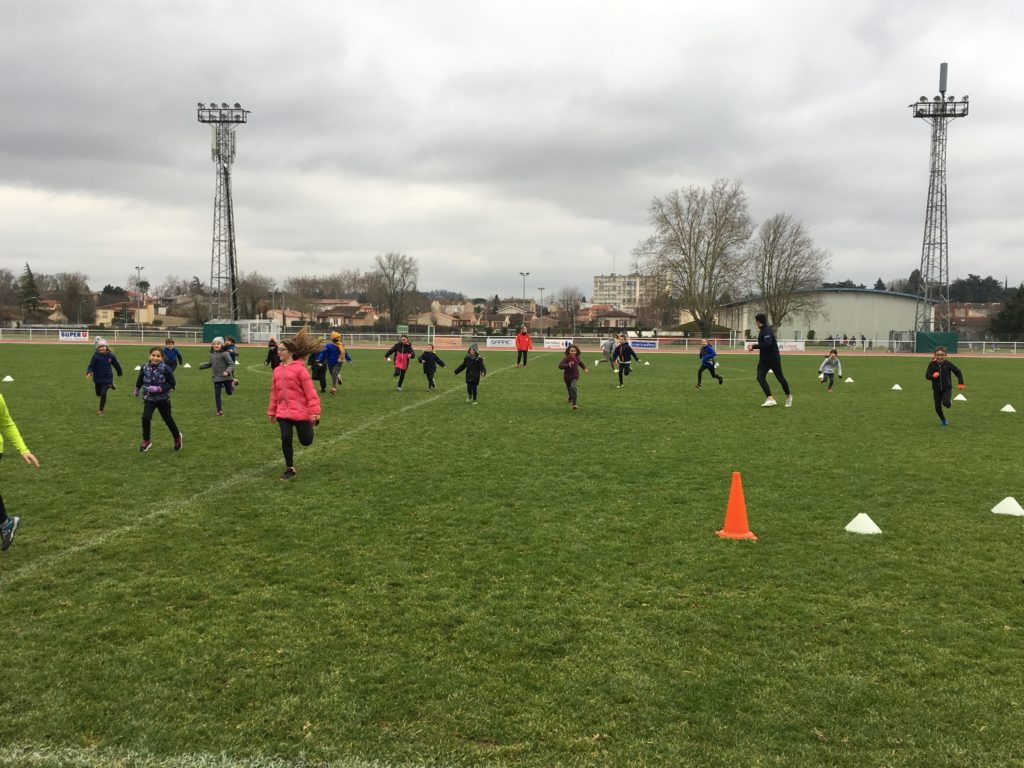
(933, 290)
(223, 260)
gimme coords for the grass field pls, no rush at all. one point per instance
(515, 583)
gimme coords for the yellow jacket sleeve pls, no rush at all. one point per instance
(9, 429)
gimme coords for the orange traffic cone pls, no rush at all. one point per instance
(736, 513)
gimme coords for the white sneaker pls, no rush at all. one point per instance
(789, 401)
(769, 403)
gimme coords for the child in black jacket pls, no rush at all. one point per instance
(474, 367)
(430, 361)
(940, 373)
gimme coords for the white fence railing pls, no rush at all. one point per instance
(591, 342)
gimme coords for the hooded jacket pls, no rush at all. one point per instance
(474, 367)
(523, 342)
(102, 367)
(292, 395)
(946, 370)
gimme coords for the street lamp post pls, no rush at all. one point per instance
(83, 301)
(540, 308)
(525, 275)
(138, 296)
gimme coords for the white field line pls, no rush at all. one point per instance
(177, 505)
(28, 756)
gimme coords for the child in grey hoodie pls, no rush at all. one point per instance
(223, 372)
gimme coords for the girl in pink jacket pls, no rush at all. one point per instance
(294, 403)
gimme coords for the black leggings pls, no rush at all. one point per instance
(471, 389)
(304, 429)
(164, 406)
(319, 373)
(830, 379)
(943, 397)
(521, 357)
(400, 373)
(762, 376)
(228, 386)
(101, 393)
(710, 369)
(623, 371)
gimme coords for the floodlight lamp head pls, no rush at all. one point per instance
(223, 105)
(237, 105)
(937, 98)
(201, 105)
(965, 98)
(923, 99)
(950, 98)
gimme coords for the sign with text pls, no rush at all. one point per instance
(643, 343)
(501, 342)
(73, 335)
(557, 343)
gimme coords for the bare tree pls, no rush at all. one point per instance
(254, 294)
(569, 299)
(698, 241)
(393, 283)
(785, 266)
(172, 286)
(9, 291)
(71, 289)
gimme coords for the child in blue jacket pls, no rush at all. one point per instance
(707, 362)
(101, 371)
(172, 357)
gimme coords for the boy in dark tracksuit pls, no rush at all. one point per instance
(101, 370)
(707, 362)
(624, 356)
(430, 362)
(940, 373)
(770, 360)
(172, 357)
(474, 367)
(318, 369)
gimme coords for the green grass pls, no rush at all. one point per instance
(514, 583)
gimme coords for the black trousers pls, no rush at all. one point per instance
(320, 375)
(762, 375)
(943, 397)
(400, 373)
(521, 356)
(471, 389)
(101, 393)
(624, 369)
(304, 429)
(164, 406)
(710, 368)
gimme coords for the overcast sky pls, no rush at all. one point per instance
(492, 138)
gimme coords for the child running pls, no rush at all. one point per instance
(101, 370)
(430, 361)
(624, 356)
(222, 373)
(231, 348)
(829, 367)
(940, 373)
(571, 365)
(475, 369)
(317, 369)
(273, 358)
(8, 429)
(155, 382)
(402, 350)
(331, 355)
(172, 357)
(608, 350)
(707, 362)
(294, 403)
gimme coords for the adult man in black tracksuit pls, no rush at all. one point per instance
(770, 360)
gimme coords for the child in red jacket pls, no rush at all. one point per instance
(294, 403)
(523, 346)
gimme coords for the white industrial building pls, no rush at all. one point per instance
(856, 312)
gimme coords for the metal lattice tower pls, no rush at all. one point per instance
(223, 260)
(934, 287)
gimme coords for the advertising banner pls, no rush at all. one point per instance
(501, 342)
(639, 344)
(74, 335)
(556, 343)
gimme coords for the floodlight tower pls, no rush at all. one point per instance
(934, 285)
(223, 261)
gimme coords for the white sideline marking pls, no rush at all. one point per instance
(28, 756)
(44, 563)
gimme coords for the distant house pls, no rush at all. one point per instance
(437, 319)
(125, 312)
(348, 315)
(613, 318)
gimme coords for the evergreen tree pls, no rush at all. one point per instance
(29, 292)
(879, 284)
(1010, 319)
